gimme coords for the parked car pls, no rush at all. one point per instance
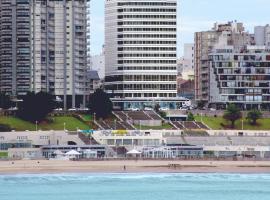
(133, 109)
(58, 109)
(183, 108)
(164, 109)
(148, 108)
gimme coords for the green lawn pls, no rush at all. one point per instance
(17, 124)
(3, 154)
(87, 117)
(71, 124)
(164, 126)
(215, 123)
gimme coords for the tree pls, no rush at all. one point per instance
(201, 104)
(253, 116)
(4, 101)
(232, 113)
(190, 117)
(36, 107)
(100, 104)
(5, 128)
(157, 107)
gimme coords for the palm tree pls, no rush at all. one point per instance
(253, 116)
(232, 114)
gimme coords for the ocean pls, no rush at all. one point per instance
(135, 187)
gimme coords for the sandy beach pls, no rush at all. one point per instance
(132, 166)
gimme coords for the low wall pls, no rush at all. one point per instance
(148, 122)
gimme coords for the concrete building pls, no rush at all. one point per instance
(44, 48)
(93, 78)
(15, 47)
(262, 35)
(98, 64)
(229, 34)
(188, 62)
(242, 78)
(233, 66)
(60, 49)
(140, 55)
(185, 88)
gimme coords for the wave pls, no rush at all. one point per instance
(78, 177)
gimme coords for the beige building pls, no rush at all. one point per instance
(232, 34)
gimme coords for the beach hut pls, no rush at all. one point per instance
(73, 154)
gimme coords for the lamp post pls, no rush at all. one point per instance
(36, 125)
(94, 117)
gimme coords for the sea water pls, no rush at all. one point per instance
(135, 187)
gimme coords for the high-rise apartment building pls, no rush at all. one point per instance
(232, 34)
(240, 77)
(15, 47)
(233, 66)
(140, 50)
(44, 48)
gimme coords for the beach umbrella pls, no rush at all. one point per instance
(73, 153)
(134, 152)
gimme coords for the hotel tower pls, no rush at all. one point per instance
(140, 52)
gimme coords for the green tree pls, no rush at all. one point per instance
(5, 128)
(36, 107)
(5, 101)
(201, 104)
(100, 104)
(157, 107)
(232, 113)
(253, 116)
(190, 117)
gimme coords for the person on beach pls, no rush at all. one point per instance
(124, 167)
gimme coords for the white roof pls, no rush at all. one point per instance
(134, 151)
(73, 152)
(58, 152)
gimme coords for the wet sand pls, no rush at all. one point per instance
(132, 166)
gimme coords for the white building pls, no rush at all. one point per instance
(185, 65)
(98, 64)
(262, 35)
(241, 78)
(228, 34)
(140, 55)
(59, 31)
(44, 48)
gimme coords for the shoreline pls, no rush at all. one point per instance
(131, 166)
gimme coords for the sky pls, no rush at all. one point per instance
(193, 16)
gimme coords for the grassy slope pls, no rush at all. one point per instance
(58, 124)
(3, 154)
(87, 117)
(214, 123)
